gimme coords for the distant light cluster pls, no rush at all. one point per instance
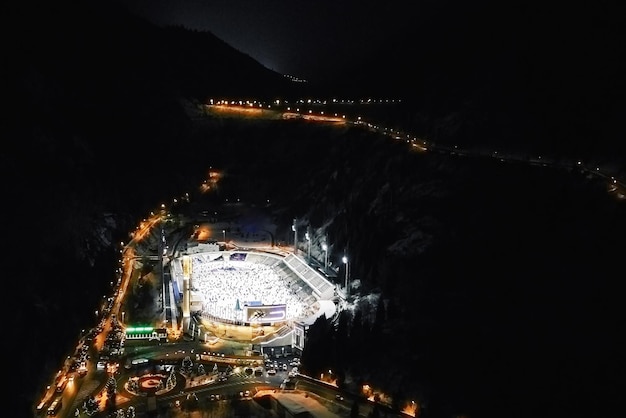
(295, 79)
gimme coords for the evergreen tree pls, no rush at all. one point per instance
(398, 398)
(111, 388)
(186, 365)
(379, 319)
(354, 410)
(314, 353)
(342, 336)
(90, 406)
(375, 411)
(392, 310)
(171, 379)
(356, 331)
(191, 402)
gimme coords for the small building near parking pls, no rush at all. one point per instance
(146, 334)
(296, 404)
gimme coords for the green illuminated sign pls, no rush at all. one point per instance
(138, 330)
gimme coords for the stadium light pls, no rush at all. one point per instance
(345, 261)
(295, 236)
(308, 238)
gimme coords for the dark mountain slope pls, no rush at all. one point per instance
(535, 77)
(88, 81)
(498, 278)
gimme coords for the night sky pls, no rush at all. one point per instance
(308, 38)
(561, 65)
(300, 38)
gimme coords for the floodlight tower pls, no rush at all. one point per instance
(308, 239)
(294, 228)
(345, 261)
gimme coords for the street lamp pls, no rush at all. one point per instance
(325, 248)
(295, 236)
(345, 261)
(308, 238)
(123, 314)
(224, 234)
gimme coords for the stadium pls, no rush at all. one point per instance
(255, 297)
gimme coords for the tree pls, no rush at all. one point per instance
(186, 365)
(342, 336)
(111, 388)
(356, 331)
(130, 412)
(354, 410)
(379, 319)
(90, 406)
(315, 350)
(191, 402)
(171, 379)
(375, 411)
